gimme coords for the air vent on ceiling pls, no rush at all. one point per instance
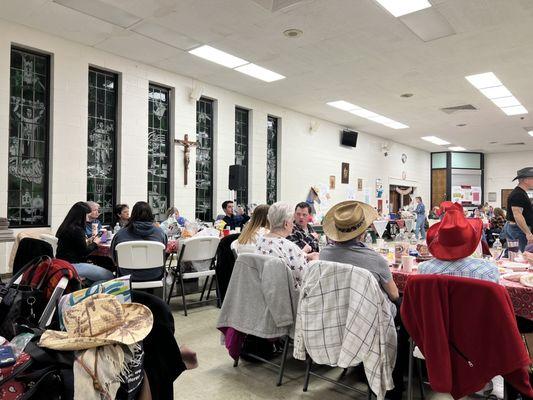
(464, 107)
(514, 144)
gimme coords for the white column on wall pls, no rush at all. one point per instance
(184, 122)
(5, 60)
(258, 157)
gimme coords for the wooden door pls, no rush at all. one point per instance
(505, 196)
(438, 187)
(394, 199)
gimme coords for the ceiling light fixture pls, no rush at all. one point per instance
(238, 64)
(456, 148)
(293, 33)
(259, 72)
(530, 133)
(403, 7)
(435, 140)
(492, 88)
(367, 114)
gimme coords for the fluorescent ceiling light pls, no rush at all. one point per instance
(506, 102)
(435, 140)
(496, 92)
(367, 114)
(456, 148)
(218, 56)
(488, 84)
(482, 81)
(516, 110)
(342, 105)
(361, 112)
(402, 7)
(259, 72)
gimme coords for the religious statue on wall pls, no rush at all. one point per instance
(186, 154)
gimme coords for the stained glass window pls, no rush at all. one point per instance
(101, 150)
(28, 139)
(204, 159)
(241, 149)
(158, 150)
(272, 160)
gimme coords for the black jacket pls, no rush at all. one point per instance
(72, 245)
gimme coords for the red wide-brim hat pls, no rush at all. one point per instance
(455, 237)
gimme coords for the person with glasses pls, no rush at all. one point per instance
(92, 218)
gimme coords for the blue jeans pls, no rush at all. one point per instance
(420, 227)
(513, 232)
(93, 273)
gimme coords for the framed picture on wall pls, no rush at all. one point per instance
(332, 181)
(359, 184)
(345, 173)
(492, 197)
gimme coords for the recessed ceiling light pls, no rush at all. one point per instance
(516, 110)
(293, 33)
(461, 125)
(342, 105)
(489, 84)
(218, 56)
(364, 113)
(403, 7)
(482, 81)
(456, 148)
(435, 140)
(259, 72)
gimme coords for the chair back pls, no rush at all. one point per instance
(28, 249)
(140, 254)
(51, 239)
(199, 249)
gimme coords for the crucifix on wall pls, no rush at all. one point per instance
(186, 154)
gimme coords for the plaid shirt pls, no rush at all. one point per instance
(468, 267)
(344, 319)
(301, 237)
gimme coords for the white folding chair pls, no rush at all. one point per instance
(51, 239)
(142, 255)
(196, 249)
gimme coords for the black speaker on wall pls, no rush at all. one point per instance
(237, 177)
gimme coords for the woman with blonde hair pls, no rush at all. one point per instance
(257, 226)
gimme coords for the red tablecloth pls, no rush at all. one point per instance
(521, 296)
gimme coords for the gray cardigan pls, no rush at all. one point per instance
(261, 299)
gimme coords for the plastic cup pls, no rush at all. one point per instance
(94, 228)
(407, 263)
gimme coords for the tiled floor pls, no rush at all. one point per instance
(216, 378)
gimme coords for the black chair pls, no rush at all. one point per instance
(28, 249)
(224, 263)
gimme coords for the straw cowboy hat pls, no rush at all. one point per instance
(455, 236)
(348, 219)
(100, 320)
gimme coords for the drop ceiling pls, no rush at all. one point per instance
(350, 50)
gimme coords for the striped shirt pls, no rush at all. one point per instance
(468, 267)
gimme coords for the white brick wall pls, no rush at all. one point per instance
(500, 169)
(305, 159)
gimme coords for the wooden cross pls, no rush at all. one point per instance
(186, 154)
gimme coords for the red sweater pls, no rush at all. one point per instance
(467, 331)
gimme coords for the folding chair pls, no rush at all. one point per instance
(196, 249)
(143, 255)
(51, 239)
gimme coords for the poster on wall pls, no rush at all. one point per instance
(492, 196)
(379, 188)
(345, 177)
(466, 195)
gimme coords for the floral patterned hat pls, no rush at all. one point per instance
(100, 320)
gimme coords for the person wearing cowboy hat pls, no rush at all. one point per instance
(451, 242)
(346, 224)
(519, 224)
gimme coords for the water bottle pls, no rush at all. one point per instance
(116, 228)
(368, 239)
(497, 248)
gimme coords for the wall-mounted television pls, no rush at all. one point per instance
(349, 138)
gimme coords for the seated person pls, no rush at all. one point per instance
(173, 221)
(74, 247)
(452, 241)
(280, 218)
(242, 217)
(258, 226)
(140, 227)
(122, 215)
(231, 220)
(92, 218)
(434, 213)
(303, 233)
(345, 224)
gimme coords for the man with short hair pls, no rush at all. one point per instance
(231, 221)
(92, 218)
(303, 234)
(520, 211)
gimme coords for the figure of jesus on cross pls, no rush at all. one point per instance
(186, 154)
